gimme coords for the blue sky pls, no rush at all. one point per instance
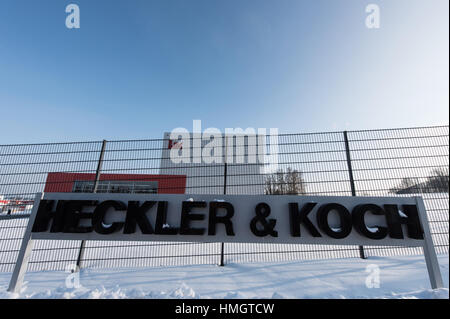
(138, 68)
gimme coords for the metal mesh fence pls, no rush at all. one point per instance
(388, 162)
(405, 162)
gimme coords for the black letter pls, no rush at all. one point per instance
(99, 214)
(58, 218)
(226, 220)
(43, 216)
(395, 221)
(344, 216)
(136, 214)
(161, 218)
(361, 227)
(186, 217)
(302, 217)
(72, 212)
(262, 211)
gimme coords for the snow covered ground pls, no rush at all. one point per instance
(399, 277)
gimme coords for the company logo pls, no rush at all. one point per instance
(310, 218)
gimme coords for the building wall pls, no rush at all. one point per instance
(208, 178)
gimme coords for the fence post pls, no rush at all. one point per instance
(352, 181)
(94, 190)
(225, 168)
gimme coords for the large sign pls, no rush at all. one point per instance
(229, 218)
(399, 221)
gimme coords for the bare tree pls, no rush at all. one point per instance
(408, 185)
(437, 182)
(285, 183)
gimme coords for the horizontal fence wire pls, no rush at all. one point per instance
(385, 162)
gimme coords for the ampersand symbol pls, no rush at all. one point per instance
(262, 211)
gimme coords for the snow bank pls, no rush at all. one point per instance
(399, 277)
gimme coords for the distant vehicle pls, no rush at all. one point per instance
(14, 205)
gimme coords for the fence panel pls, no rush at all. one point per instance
(389, 162)
(142, 160)
(24, 171)
(321, 165)
(405, 162)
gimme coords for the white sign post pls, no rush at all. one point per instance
(25, 251)
(327, 220)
